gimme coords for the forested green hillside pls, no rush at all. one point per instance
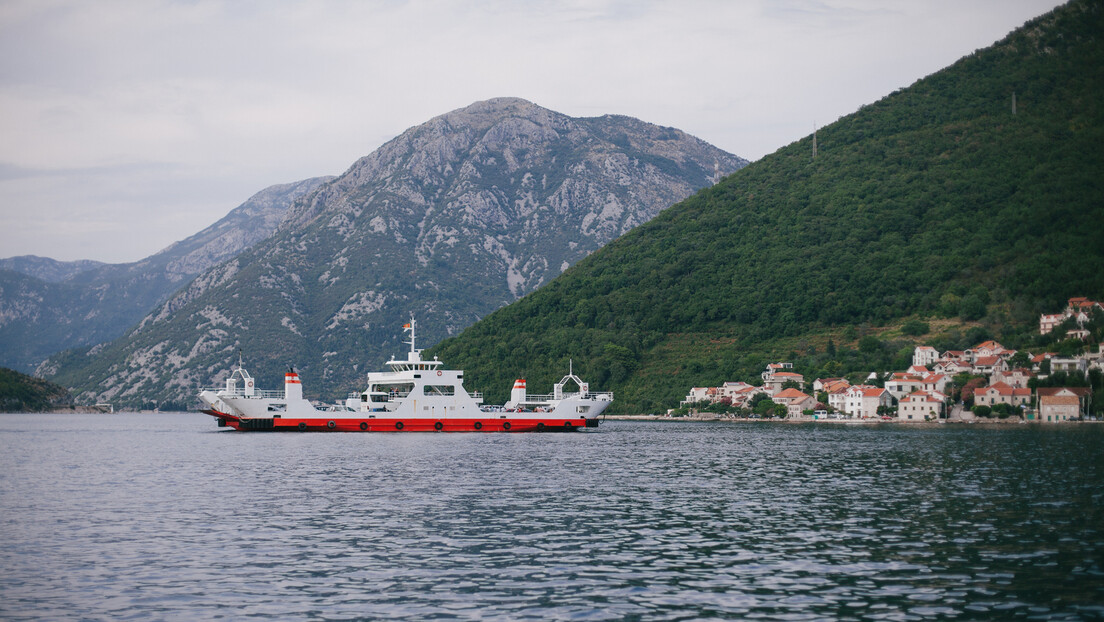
(975, 194)
(23, 393)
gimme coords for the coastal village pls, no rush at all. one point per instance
(984, 382)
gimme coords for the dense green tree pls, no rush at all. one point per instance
(22, 393)
(915, 328)
(1020, 359)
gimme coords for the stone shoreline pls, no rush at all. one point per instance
(701, 418)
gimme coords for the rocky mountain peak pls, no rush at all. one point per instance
(451, 219)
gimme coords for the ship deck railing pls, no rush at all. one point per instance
(391, 397)
(258, 393)
(544, 399)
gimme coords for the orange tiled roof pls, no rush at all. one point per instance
(921, 396)
(791, 394)
(1003, 388)
(1082, 391)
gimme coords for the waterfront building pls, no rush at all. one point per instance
(1057, 410)
(1002, 393)
(920, 406)
(863, 401)
(1061, 406)
(795, 401)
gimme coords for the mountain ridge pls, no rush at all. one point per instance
(46, 268)
(449, 220)
(95, 303)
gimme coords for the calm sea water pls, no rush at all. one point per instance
(167, 517)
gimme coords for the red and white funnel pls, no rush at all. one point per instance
(293, 389)
(517, 395)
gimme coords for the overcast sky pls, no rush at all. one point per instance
(127, 125)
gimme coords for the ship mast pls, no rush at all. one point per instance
(411, 326)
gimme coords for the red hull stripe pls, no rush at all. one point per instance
(402, 425)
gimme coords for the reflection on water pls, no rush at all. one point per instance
(165, 516)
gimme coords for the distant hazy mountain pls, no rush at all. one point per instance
(47, 306)
(450, 220)
(46, 269)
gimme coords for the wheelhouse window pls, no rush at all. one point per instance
(439, 389)
(392, 389)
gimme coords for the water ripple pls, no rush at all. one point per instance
(128, 516)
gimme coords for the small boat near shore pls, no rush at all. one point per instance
(415, 395)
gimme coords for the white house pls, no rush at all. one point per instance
(988, 364)
(773, 368)
(700, 394)
(1074, 364)
(920, 406)
(1048, 322)
(902, 384)
(837, 398)
(732, 390)
(925, 355)
(774, 384)
(1058, 404)
(863, 400)
(984, 349)
(1013, 377)
(1001, 393)
(936, 383)
(795, 402)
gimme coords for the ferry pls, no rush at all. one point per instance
(416, 395)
